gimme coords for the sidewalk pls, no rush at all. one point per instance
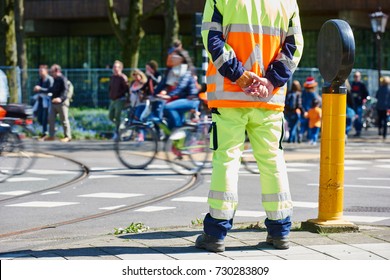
(242, 243)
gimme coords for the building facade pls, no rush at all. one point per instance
(77, 34)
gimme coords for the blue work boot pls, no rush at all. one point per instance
(210, 243)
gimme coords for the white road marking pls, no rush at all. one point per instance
(112, 207)
(353, 168)
(202, 199)
(154, 209)
(103, 176)
(291, 170)
(301, 164)
(251, 214)
(15, 193)
(383, 166)
(45, 204)
(26, 179)
(353, 162)
(169, 179)
(356, 186)
(364, 219)
(303, 204)
(374, 179)
(50, 193)
(50, 172)
(111, 195)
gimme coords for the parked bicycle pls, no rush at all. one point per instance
(186, 148)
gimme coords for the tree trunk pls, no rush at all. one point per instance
(171, 24)
(11, 50)
(21, 47)
(130, 37)
(2, 33)
(134, 33)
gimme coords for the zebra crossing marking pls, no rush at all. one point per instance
(154, 209)
(15, 193)
(111, 195)
(42, 204)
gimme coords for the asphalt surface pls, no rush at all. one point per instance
(170, 237)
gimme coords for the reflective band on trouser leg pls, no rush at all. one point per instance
(265, 129)
(223, 197)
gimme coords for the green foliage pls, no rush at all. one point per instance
(87, 123)
(197, 222)
(132, 228)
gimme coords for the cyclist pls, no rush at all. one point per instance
(180, 97)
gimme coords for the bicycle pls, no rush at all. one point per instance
(186, 148)
(16, 154)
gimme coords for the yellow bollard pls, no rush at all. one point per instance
(332, 157)
(331, 187)
(336, 48)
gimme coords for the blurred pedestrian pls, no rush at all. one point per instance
(118, 89)
(42, 99)
(180, 96)
(59, 92)
(293, 109)
(154, 78)
(359, 95)
(383, 105)
(314, 115)
(249, 67)
(309, 93)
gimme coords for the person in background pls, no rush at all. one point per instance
(350, 113)
(41, 97)
(308, 94)
(314, 115)
(179, 97)
(118, 89)
(359, 95)
(293, 109)
(383, 105)
(59, 92)
(154, 78)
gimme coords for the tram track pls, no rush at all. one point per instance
(85, 171)
(193, 181)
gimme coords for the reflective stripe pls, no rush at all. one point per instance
(286, 61)
(226, 56)
(213, 26)
(222, 214)
(277, 98)
(256, 56)
(277, 197)
(225, 196)
(280, 214)
(254, 29)
(211, 79)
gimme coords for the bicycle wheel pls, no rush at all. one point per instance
(136, 146)
(9, 154)
(27, 151)
(187, 149)
(247, 158)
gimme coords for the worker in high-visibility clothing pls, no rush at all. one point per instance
(254, 46)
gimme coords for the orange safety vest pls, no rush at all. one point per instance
(253, 35)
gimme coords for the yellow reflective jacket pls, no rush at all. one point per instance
(262, 36)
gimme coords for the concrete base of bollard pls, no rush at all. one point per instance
(331, 226)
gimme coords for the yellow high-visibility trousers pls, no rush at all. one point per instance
(265, 131)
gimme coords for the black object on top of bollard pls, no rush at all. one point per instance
(336, 52)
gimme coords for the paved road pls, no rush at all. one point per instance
(110, 186)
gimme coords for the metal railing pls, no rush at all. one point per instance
(91, 85)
